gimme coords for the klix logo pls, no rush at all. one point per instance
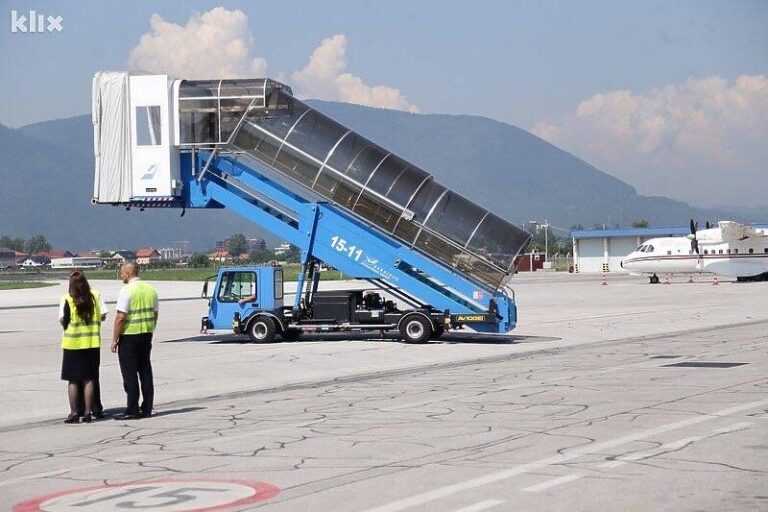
(35, 22)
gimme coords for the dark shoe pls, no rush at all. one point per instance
(98, 415)
(87, 419)
(128, 416)
(72, 418)
(147, 414)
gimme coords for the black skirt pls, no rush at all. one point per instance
(81, 364)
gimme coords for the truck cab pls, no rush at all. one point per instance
(241, 292)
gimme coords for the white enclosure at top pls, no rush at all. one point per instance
(133, 139)
(155, 165)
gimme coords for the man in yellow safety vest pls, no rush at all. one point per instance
(135, 321)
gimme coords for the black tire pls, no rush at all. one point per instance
(291, 334)
(262, 330)
(415, 329)
(655, 279)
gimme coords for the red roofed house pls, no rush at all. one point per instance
(147, 256)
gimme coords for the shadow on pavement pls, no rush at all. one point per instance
(451, 338)
(113, 412)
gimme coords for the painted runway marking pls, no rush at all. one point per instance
(552, 483)
(165, 495)
(674, 445)
(483, 505)
(449, 490)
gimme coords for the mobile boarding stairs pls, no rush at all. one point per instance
(252, 147)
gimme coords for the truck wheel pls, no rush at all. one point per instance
(438, 332)
(415, 329)
(291, 334)
(261, 330)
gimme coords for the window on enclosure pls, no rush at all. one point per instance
(278, 284)
(236, 286)
(148, 126)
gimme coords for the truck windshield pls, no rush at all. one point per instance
(236, 285)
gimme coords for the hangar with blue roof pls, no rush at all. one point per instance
(601, 250)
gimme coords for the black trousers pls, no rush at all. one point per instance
(133, 352)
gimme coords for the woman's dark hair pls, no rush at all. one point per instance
(80, 291)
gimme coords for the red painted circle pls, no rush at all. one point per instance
(262, 492)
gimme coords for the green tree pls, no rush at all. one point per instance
(14, 244)
(642, 223)
(261, 256)
(105, 254)
(237, 245)
(37, 244)
(199, 259)
(293, 255)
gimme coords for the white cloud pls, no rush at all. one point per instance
(215, 44)
(324, 78)
(218, 44)
(686, 140)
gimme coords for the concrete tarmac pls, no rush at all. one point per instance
(578, 408)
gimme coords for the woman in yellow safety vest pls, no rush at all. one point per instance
(81, 313)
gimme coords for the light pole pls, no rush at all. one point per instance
(545, 225)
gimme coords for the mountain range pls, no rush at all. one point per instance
(47, 174)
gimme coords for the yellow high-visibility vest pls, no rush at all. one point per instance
(80, 335)
(141, 314)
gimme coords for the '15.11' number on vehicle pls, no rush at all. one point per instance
(341, 245)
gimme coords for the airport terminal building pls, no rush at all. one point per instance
(601, 250)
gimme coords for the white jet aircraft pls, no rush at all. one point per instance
(730, 249)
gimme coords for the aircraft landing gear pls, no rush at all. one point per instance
(654, 279)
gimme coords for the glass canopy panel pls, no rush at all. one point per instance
(258, 143)
(232, 110)
(199, 121)
(405, 185)
(384, 178)
(341, 191)
(424, 200)
(377, 211)
(199, 88)
(347, 152)
(498, 241)
(297, 166)
(316, 134)
(455, 217)
(239, 88)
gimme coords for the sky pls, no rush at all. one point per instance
(671, 97)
